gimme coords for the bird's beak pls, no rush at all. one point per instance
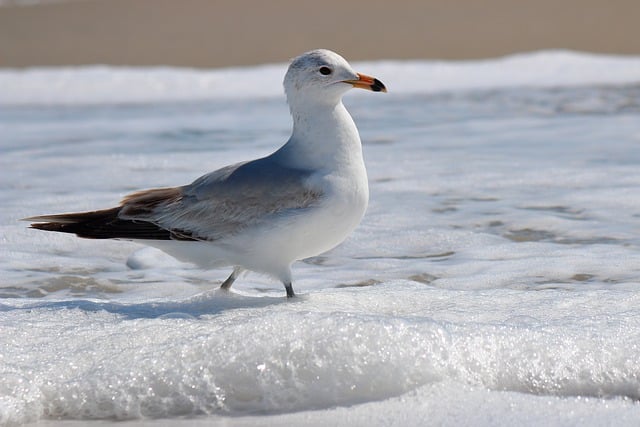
(366, 82)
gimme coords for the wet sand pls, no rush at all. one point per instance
(207, 33)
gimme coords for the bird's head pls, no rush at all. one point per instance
(324, 76)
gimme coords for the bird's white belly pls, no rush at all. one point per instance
(306, 233)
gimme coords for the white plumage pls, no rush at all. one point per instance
(265, 214)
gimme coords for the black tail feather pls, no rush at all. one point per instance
(104, 224)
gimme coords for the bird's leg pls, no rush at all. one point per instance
(232, 278)
(289, 288)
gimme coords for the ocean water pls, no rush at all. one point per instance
(493, 281)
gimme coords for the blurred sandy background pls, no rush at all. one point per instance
(216, 33)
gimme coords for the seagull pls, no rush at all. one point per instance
(261, 215)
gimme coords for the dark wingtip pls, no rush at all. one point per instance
(47, 226)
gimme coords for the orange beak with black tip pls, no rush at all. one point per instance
(367, 82)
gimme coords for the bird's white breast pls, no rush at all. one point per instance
(309, 232)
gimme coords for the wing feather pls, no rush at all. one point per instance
(214, 206)
(226, 201)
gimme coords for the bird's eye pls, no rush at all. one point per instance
(325, 71)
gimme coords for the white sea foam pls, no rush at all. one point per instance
(221, 354)
(494, 279)
(102, 84)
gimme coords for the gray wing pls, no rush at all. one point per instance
(226, 201)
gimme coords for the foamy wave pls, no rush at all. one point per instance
(103, 84)
(336, 348)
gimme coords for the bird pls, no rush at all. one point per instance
(261, 215)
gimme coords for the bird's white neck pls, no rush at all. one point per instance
(324, 136)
